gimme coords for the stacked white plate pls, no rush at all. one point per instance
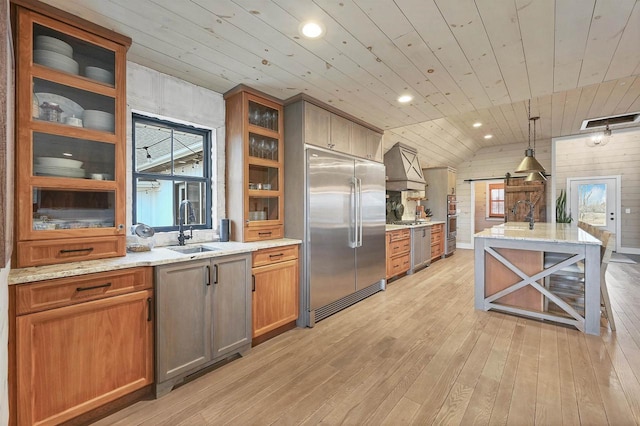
(56, 61)
(54, 45)
(51, 166)
(99, 74)
(59, 171)
(98, 120)
(58, 162)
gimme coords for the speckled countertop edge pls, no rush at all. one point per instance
(391, 227)
(157, 256)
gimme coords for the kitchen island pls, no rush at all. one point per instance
(509, 271)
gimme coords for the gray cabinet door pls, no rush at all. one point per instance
(317, 125)
(183, 318)
(231, 282)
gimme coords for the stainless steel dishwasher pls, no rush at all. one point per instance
(420, 247)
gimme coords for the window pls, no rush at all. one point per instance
(169, 166)
(496, 200)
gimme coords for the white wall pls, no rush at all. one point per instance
(155, 94)
(621, 156)
(492, 162)
(6, 111)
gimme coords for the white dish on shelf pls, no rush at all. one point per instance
(58, 162)
(99, 74)
(98, 120)
(69, 107)
(56, 60)
(53, 44)
(59, 171)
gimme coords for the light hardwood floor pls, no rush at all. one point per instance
(419, 353)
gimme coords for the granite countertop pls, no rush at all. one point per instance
(392, 227)
(157, 256)
(546, 232)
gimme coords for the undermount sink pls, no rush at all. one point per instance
(192, 249)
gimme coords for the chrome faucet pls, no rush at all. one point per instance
(529, 217)
(190, 216)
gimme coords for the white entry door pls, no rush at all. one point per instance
(594, 201)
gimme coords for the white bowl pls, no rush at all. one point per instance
(54, 45)
(98, 120)
(58, 162)
(99, 74)
(55, 60)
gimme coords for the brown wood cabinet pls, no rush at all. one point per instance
(255, 165)
(81, 342)
(275, 289)
(398, 252)
(70, 139)
(437, 241)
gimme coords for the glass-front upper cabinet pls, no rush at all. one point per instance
(70, 139)
(255, 165)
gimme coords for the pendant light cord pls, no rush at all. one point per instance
(529, 120)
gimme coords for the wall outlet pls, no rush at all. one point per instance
(627, 211)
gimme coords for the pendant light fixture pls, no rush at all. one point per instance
(529, 164)
(535, 177)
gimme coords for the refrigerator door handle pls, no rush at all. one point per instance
(359, 217)
(354, 212)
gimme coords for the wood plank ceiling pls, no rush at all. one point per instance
(462, 60)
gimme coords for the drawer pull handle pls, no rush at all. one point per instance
(76, 250)
(272, 256)
(93, 287)
(148, 309)
(264, 233)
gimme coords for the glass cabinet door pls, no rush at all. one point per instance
(55, 209)
(263, 116)
(62, 52)
(263, 208)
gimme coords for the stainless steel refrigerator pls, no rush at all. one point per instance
(345, 211)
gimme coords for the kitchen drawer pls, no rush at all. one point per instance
(48, 252)
(399, 264)
(437, 229)
(59, 292)
(436, 238)
(264, 233)
(398, 247)
(274, 255)
(399, 234)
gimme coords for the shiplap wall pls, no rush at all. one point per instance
(621, 156)
(481, 220)
(493, 162)
(153, 93)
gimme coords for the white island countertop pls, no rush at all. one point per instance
(543, 232)
(157, 256)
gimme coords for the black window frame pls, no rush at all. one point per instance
(207, 177)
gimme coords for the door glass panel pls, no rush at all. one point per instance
(68, 54)
(592, 204)
(56, 209)
(263, 208)
(263, 116)
(263, 147)
(263, 178)
(69, 157)
(73, 107)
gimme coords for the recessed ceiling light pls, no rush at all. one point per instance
(488, 136)
(405, 98)
(477, 124)
(311, 29)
